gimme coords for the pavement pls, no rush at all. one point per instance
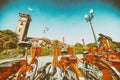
(41, 60)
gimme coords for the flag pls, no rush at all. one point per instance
(30, 9)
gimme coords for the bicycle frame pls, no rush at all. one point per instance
(65, 62)
(111, 53)
(100, 61)
(24, 72)
(8, 71)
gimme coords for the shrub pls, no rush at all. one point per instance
(11, 53)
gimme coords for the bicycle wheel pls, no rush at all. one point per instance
(91, 71)
(70, 75)
(42, 73)
(35, 70)
(113, 70)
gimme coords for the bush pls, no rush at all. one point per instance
(46, 52)
(11, 53)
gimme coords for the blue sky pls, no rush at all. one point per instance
(64, 18)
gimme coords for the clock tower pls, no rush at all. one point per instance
(23, 26)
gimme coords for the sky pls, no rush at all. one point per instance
(64, 18)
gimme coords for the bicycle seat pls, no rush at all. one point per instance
(64, 52)
(97, 55)
(85, 52)
(24, 44)
(72, 59)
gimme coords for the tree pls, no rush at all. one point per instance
(46, 50)
(8, 40)
(78, 48)
(116, 45)
(9, 44)
(90, 45)
(56, 43)
(46, 42)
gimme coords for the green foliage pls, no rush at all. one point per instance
(56, 43)
(78, 48)
(116, 44)
(46, 42)
(46, 51)
(8, 40)
(90, 45)
(11, 53)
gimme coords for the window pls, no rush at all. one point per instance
(20, 30)
(21, 23)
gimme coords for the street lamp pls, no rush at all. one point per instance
(89, 18)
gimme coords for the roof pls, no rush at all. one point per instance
(33, 38)
(43, 38)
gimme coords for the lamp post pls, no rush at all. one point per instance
(89, 18)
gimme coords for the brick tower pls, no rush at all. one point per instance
(23, 26)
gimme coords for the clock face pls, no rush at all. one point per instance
(23, 19)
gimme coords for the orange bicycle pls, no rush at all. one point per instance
(67, 67)
(63, 67)
(99, 60)
(107, 50)
(28, 70)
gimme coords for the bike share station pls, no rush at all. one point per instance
(101, 62)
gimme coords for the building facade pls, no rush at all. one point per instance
(23, 26)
